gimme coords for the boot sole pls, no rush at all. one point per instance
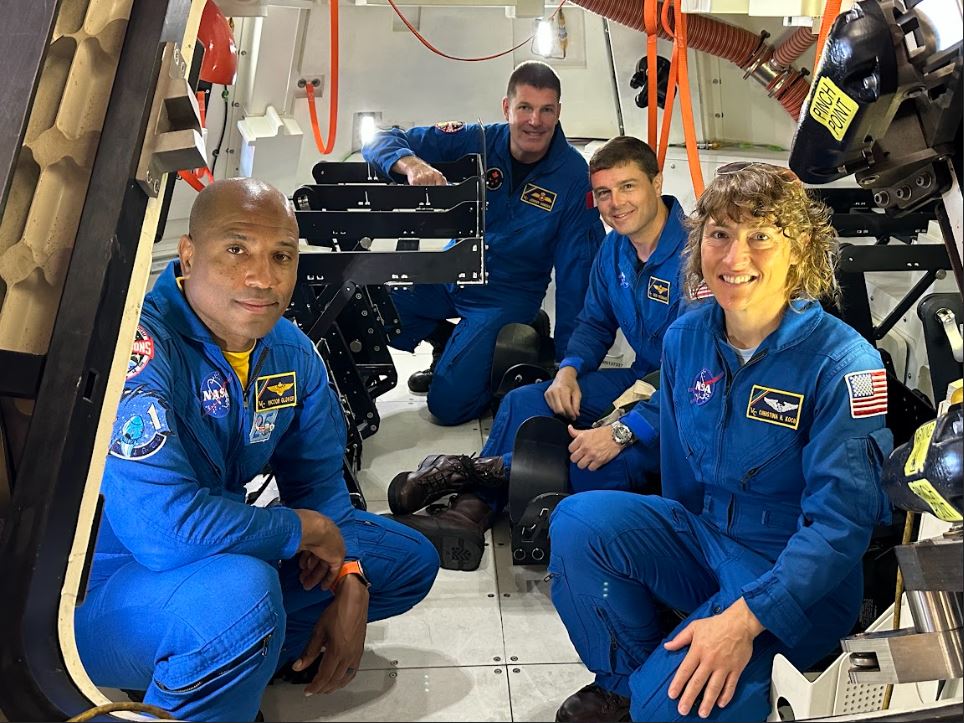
(457, 549)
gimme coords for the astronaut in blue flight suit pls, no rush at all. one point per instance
(771, 440)
(194, 596)
(537, 217)
(634, 286)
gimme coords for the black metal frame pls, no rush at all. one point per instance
(50, 483)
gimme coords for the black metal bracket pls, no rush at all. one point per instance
(22, 373)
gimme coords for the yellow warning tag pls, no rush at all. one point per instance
(832, 108)
(942, 510)
(922, 439)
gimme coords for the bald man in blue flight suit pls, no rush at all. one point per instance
(635, 287)
(537, 217)
(195, 597)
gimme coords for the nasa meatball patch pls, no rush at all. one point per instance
(142, 351)
(215, 399)
(774, 406)
(144, 428)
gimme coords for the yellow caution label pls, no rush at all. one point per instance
(922, 439)
(942, 510)
(832, 108)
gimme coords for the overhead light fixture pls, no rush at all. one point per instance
(549, 36)
(367, 129)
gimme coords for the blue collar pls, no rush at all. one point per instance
(799, 321)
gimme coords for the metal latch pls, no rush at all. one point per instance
(949, 321)
(173, 140)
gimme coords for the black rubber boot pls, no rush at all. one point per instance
(419, 382)
(457, 532)
(443, 474)
(593, 703)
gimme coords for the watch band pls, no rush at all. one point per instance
(352, 567)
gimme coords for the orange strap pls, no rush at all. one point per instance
(670, 89)
(352, 567)
(686, 105)
(830, 12)
(326, 147)
(192, 180)
(650, 16)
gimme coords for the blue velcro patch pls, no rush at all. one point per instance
(144, 429)
(262, 426)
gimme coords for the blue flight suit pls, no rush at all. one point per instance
(642, 300)
(545, 221)
(187, 597)
(770, 476)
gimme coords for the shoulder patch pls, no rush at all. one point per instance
(539, 197)
(142, 351)
(700, 292)
(144, 428)
(658, 290)
(450, 126)
(867, 391)
(494, 178)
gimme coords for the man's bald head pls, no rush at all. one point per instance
(250, 195)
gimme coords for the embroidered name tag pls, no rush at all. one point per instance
(658, 290)
(538, 197)
(275, 392)
(775, 406)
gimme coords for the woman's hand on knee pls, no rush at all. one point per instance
(719, 649)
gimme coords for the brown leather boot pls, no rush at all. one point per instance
(591, 704)
(458, 531)
(443, 474)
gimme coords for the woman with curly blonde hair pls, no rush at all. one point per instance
(771, 439)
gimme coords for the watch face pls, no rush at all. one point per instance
(621, 433)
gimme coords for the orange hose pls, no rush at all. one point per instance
(326, 147)
(427, 44)
(686, 105)
(650, 19)
(830, 12)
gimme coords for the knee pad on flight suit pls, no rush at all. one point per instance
(538, 481)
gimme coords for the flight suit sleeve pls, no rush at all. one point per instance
(308, 460)
(644, 420)
(678, 481)
(579, 237)
(596, 325)
(152, 497)
(430, 143)
(841, 503)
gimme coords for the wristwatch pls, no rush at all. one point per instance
(622, 435)
(352, 567)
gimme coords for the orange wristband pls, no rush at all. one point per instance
(352, 567)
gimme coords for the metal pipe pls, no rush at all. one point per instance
(612, 75)
(935, 611)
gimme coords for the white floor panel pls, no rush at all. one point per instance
(429, 694)
(406, 364)
(531, 626)
(537, 691)
(406, 436)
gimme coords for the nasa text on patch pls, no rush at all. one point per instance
(774, 406)
(658, 290)
(539, 197)
(275, 392)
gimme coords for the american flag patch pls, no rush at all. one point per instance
(868, 393)
(700, 292)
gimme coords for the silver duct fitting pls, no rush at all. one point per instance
(932, 649)
(173, 140)
(767, 72)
